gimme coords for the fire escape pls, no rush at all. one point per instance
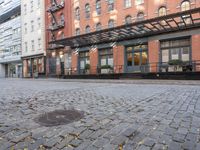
(57, 22)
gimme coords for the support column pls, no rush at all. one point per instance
(2, 71)
(94, 60)
(118, 58)
(196, 50)
(153, 52)
(74, 63)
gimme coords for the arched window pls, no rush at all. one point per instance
(77, 13)
(110, 5)
(111, 23)
(62, 35)
(78, 32)
(87, 11)
(162, 11)
(62, 18)
(98, 7)
(98, 26)
(140, 16)
(185, 5)
(128, 19)
(87, 29)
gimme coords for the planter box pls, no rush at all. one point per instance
(175, 68)
(106, 71)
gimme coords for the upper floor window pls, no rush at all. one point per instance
(32, 26)
(140, 16)
(162, 11)
(62, 18)
(138, 2)
(110, 5)
(185, 6)
(127, 3)
(62, 35)
(39, 23)
(38, 3)
(98, 7)
(98, 26)
(31, 5)
(87, 29)
(111, 23)
(78, 32)
(25, 9)
(77, 13)
(26, 46)
(87, 11)
(32, 45)
(39, 43)
(128, 19)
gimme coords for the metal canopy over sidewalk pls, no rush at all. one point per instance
(170, 23)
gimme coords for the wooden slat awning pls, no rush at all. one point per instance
(170, 23)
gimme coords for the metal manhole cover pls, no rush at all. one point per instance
(59, 117)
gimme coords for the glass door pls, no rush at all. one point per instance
(137, 58)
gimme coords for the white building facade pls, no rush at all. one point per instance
(10, 39)
(33, 39)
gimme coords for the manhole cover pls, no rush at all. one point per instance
(59, 117)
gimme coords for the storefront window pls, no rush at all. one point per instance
(106, 57)
(137, 55)
(175, 49)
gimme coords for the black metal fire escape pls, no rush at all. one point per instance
(57, 22)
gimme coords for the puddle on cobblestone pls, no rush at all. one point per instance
(59, 117)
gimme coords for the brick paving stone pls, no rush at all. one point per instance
(155, 114)
(100, 142)
(75, 142)
(178, 138)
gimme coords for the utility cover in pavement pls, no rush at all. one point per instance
(59, 117)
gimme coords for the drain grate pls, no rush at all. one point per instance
(59, 117)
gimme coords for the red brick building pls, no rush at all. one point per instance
(58, 25)
(127, 36)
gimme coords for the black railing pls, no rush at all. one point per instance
(57, 26)
(55, 6)
(192, 66)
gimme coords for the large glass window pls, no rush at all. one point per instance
(137, 55)
(106, 57)
(175, 49)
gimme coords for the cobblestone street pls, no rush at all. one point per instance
(117, 115)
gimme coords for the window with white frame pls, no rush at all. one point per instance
(32, 45)
(26, 46)
(32, 26)
(110, 5)
(31, 6)
(25, 9)
(127, 3)
(139, 2)
(39, 43)
(98, 7)
(77, 13)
